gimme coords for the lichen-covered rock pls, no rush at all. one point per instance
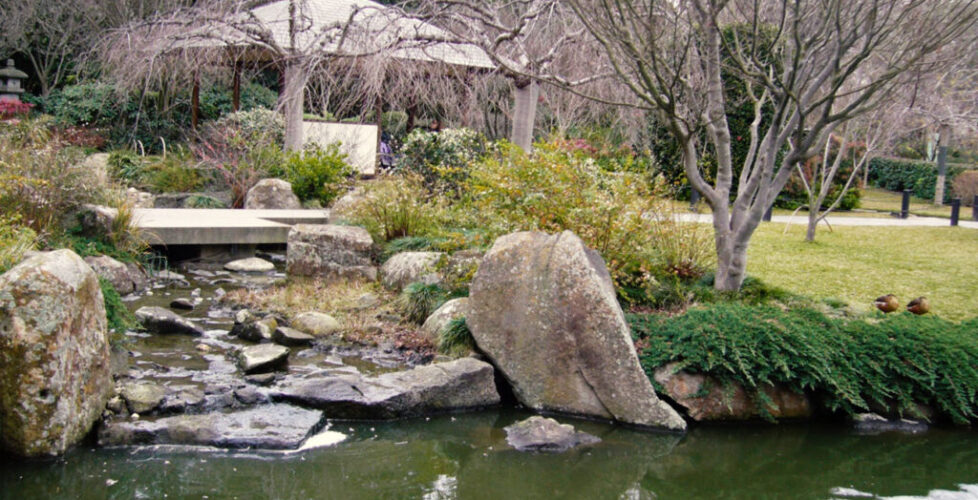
(248, 327)
(543, 308)
(271, 194)
(546, 434)
(330, 251)
(706, 399)
(405, 268)
(160, 320)
(462, 384)
(316, 324)
(139, 199)
(455, 308)
(125, 278)
(143, 397)
(54, 354)
(96, 220)
(290, 337)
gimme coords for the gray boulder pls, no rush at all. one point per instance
(262, 358)
(455, 308)
(54, 354)
(291, 337)
(274, 427)
(96, 220)
(546, 434)
(316, 324)
(250, 265)
(330, 251)
(140, 199)
(458, 385)
(408, 267)
(705, 398)
(125, 278)
(248, 327)
(271, 194)
(543, 308)
(160, 320)
(143, 397)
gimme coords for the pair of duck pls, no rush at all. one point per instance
(889, 303)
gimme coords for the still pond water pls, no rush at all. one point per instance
(465, 456)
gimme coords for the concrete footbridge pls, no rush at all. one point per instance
(207, 226)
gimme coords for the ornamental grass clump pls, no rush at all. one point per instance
(395, 207)
(419, 300)
(851, 364)
(456, 338)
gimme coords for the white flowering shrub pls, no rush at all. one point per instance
(442, 159)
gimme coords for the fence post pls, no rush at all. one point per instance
(694, 198)
(955, 211)
(974, 208)
(905, 204)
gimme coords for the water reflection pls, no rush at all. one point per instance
(466, 457)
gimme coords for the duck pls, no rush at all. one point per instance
(919, 306)
(887, 303)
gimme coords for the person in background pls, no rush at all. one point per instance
(435, 126)
(386, 153)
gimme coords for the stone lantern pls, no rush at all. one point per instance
(10, 82)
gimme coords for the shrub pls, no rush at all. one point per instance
(202, 201)
(616, 213)
(442, 159)
(15, 241)
(118, 315)
(243, 148)
(10, 108)
(317, 173)
(126, 166)
(965, 186)
(216, 101)
(917, 176)
(419, 300)
(456, 338)
(901, 359)
(394, 207)
(174, 174)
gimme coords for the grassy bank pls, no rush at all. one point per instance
(858, 264)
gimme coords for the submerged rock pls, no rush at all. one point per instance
(543, 308)
(546, 434)
(262, 358)
(54, 354)
(182, 303)
(872, 423)
(316, 324)
(405, 268)
(271, 194)
(247, 327)
(268, 427)
(706, 399)
(457, 385)
(160, 320)
(330, 251)
(250, 265)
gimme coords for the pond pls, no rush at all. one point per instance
(465, 456)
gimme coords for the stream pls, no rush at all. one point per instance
(466, 455)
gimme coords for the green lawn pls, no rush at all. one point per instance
(858, 264)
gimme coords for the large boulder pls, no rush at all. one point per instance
(543, 308)
(455, 308)
(54, 354)
(705, 398)
(462, 384)
(262, 358)
(250, 265)
(316, 324)
(126, 278)
(405, 268)
(271, 194)
(330, 251)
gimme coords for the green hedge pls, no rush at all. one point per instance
(847, 362)
(918, 176)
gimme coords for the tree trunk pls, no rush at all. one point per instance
(812, 223)
(524, 112)
(292, 104)
(731, 263)
(941, 164)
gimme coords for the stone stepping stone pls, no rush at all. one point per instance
(250, 265)
(160, 320)
(546, 434)
(262, 358)
(291, 337)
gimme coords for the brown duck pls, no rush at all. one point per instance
(920, 305)
(887, 303)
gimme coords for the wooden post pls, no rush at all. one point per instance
(524, 112)
(195, 102)
(905, 204)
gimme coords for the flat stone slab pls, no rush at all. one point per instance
(262, 358)
(200, 226)
(547, 435)
(276, 427)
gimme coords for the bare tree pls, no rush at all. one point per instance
(799, 62)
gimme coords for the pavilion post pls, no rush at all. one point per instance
(524, 112)
(195, 102)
